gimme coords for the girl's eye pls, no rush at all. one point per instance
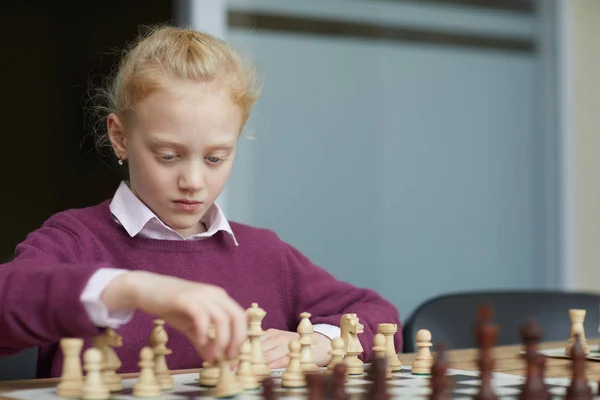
(213, 160)
(168, 157)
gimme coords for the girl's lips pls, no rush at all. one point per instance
(186, 205)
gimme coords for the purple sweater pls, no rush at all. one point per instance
(40, 288)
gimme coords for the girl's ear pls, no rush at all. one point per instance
(116, 133)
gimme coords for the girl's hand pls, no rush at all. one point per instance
(275, 346)
(189, 307)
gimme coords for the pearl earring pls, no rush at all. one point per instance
(120, 162)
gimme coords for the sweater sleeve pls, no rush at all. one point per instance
(40, 291)
(316, 291)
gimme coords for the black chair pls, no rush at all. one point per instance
(450, 318)
(19, 366)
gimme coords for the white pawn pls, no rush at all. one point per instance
(244, 373)
(255, 331)
(209, 375)
(423, 360)
(159, 339)
(380, 350)
(147, 385)
(71, 380)
(307, 340)
(293, 377)
(228, 385)
(336, 353)
(93, 387)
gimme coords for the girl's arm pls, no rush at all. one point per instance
(40, 291)
(316, 291)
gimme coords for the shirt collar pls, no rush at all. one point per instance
(138, 219)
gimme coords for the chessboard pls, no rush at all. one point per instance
(345, 377)
(591, 351)
(559, 352)
(403, 384)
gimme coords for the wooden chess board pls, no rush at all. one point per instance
(593, 355)
(464, 384)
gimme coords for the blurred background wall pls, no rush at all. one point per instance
(582, 130)
(402, 145)
(414, 147)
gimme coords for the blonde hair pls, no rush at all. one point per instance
(176, 53)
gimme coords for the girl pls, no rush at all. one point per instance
(161, 247)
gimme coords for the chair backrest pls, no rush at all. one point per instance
(450, 318)
(19, 366)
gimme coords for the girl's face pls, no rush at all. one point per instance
(180, 147)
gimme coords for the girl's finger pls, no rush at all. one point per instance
(275, 353)
(280, 362)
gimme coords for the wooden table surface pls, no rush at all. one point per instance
(507, 360)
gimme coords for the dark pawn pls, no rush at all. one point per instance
(268, 389)
(316, 385)
(373, 371)
(535, 386)
(338, 382)
(531, 335)
(579, 388)
(439, 380)
(486, 333)
(378, 387)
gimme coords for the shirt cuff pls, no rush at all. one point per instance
(331, 331)
(97, 311)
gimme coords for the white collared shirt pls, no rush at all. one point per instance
(137, 219)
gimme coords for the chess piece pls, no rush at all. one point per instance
(439, 381)
(423, 360)
(316, 385)
(93, 386)
(531, 334)
(577, 318)
(338, 382)
(534, 386)
(209, 374)
(377, 389)
(255, 317)
(293, 377)
(71, 379)
(486, 333)
(380, 351)
(336, 353)
(228, 385)
(245, 374)
(105, 342)
(268, 389)
(159, 339)
(350, 328)
(389, 331)
(307, 340)
(147, 385)
(579, 388)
